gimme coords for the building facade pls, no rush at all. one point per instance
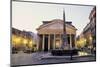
(92, 18)
(89, 32)
(88, 35)
(22, 40)
(50, 34)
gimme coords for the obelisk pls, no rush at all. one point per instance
(64, 36)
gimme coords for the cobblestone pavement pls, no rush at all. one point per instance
(36, 58)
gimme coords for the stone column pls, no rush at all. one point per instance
(54, 42)
(48, 41)
(75, 40)
(70, 41)
(60, 40)
(37, 42)
(43, 41)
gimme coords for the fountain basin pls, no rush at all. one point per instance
(61, 52)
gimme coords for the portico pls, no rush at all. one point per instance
(50, 35)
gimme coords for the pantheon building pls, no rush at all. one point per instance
(50, 34)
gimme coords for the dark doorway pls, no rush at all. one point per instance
(68, 40)
(46, 43)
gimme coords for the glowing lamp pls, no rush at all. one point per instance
(25, 41)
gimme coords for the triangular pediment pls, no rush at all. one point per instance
(56, 25)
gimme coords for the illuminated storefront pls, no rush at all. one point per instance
(89, 33)
(22, 40)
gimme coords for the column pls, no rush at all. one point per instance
(70, 41)
(43, 41)
(54, 42)
(37, 45)
(38, 42)
(75, 40)
(48, 41)
(60, 40)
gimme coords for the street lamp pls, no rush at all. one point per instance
(31, 43)
(25, 41)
